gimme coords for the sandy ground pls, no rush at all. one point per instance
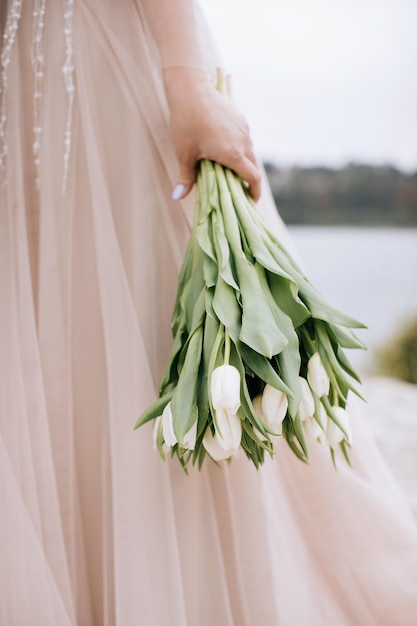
(393, 418)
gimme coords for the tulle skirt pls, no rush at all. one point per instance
(94, 528)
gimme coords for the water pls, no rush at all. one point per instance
(369, 273)
(372, 275)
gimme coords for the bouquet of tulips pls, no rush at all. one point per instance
(257, 353)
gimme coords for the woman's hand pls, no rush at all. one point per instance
(205, 125)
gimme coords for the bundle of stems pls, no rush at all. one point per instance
(258, 353)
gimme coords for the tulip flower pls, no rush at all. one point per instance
(225, 397)
(170, 437)
(228, 427)
(190, 437)
(227, 437)
(333, 433)
(306, 408)
(257, 405)
(317, 376)
(225, 388)
(212, 446)
(274, 408)
(313, 429)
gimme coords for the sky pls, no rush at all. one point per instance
(323, 81)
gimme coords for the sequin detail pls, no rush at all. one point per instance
(9, 37)
(68, 71)
(38, 65)
(38, 62)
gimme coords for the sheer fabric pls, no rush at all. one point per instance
(95, 529)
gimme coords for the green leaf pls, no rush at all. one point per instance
(184, 400)
(343, 445)
(170, 375)
(210, 333)
(262, 367)
(160, 441)
(322, 310)
(285, 294)
(289, 363)
(291, 439)
(227, 308)
(325, 345)
(347, 338)
(153, 411)
(345, 363)
(204, 236)
(214, 357)
(253, 234)
(210, 271)
(222, 250)
(298, 431)
(259, 328)
(329, 410)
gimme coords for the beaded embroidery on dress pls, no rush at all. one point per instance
(38, 61)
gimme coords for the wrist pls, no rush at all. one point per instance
(180, 81)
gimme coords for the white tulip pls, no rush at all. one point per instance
(211, 444)
(274, 408)
(170, 437)
(306, 408)
(314, 430)
(225, 388)
(334, 434)
(228, 427)
(322, 416)
(257, 405)
(190, 437)
(168, 427)
(317, 376)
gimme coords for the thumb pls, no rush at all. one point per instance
(185, 182)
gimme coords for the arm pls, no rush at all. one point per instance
(203, 123)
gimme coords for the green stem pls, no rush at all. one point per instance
(226, 347)
(335, 397)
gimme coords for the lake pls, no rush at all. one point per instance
(369, 273)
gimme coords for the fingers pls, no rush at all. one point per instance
(246, 167)
(185, 181)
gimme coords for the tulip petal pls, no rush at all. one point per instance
(190, 437)
(343, 418)
(167, 426)
(306, 408)
(274, 407)
(213, 447)
(334, 434)
(225, 388)
(228, 428)
(317, 376)
(312, 428)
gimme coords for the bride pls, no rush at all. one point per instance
(106, 106)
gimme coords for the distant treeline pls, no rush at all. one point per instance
(356, 194)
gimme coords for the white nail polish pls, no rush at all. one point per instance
(178, 191)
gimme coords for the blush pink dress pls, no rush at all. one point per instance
(95, 530)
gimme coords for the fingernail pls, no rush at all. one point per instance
(179, 191)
